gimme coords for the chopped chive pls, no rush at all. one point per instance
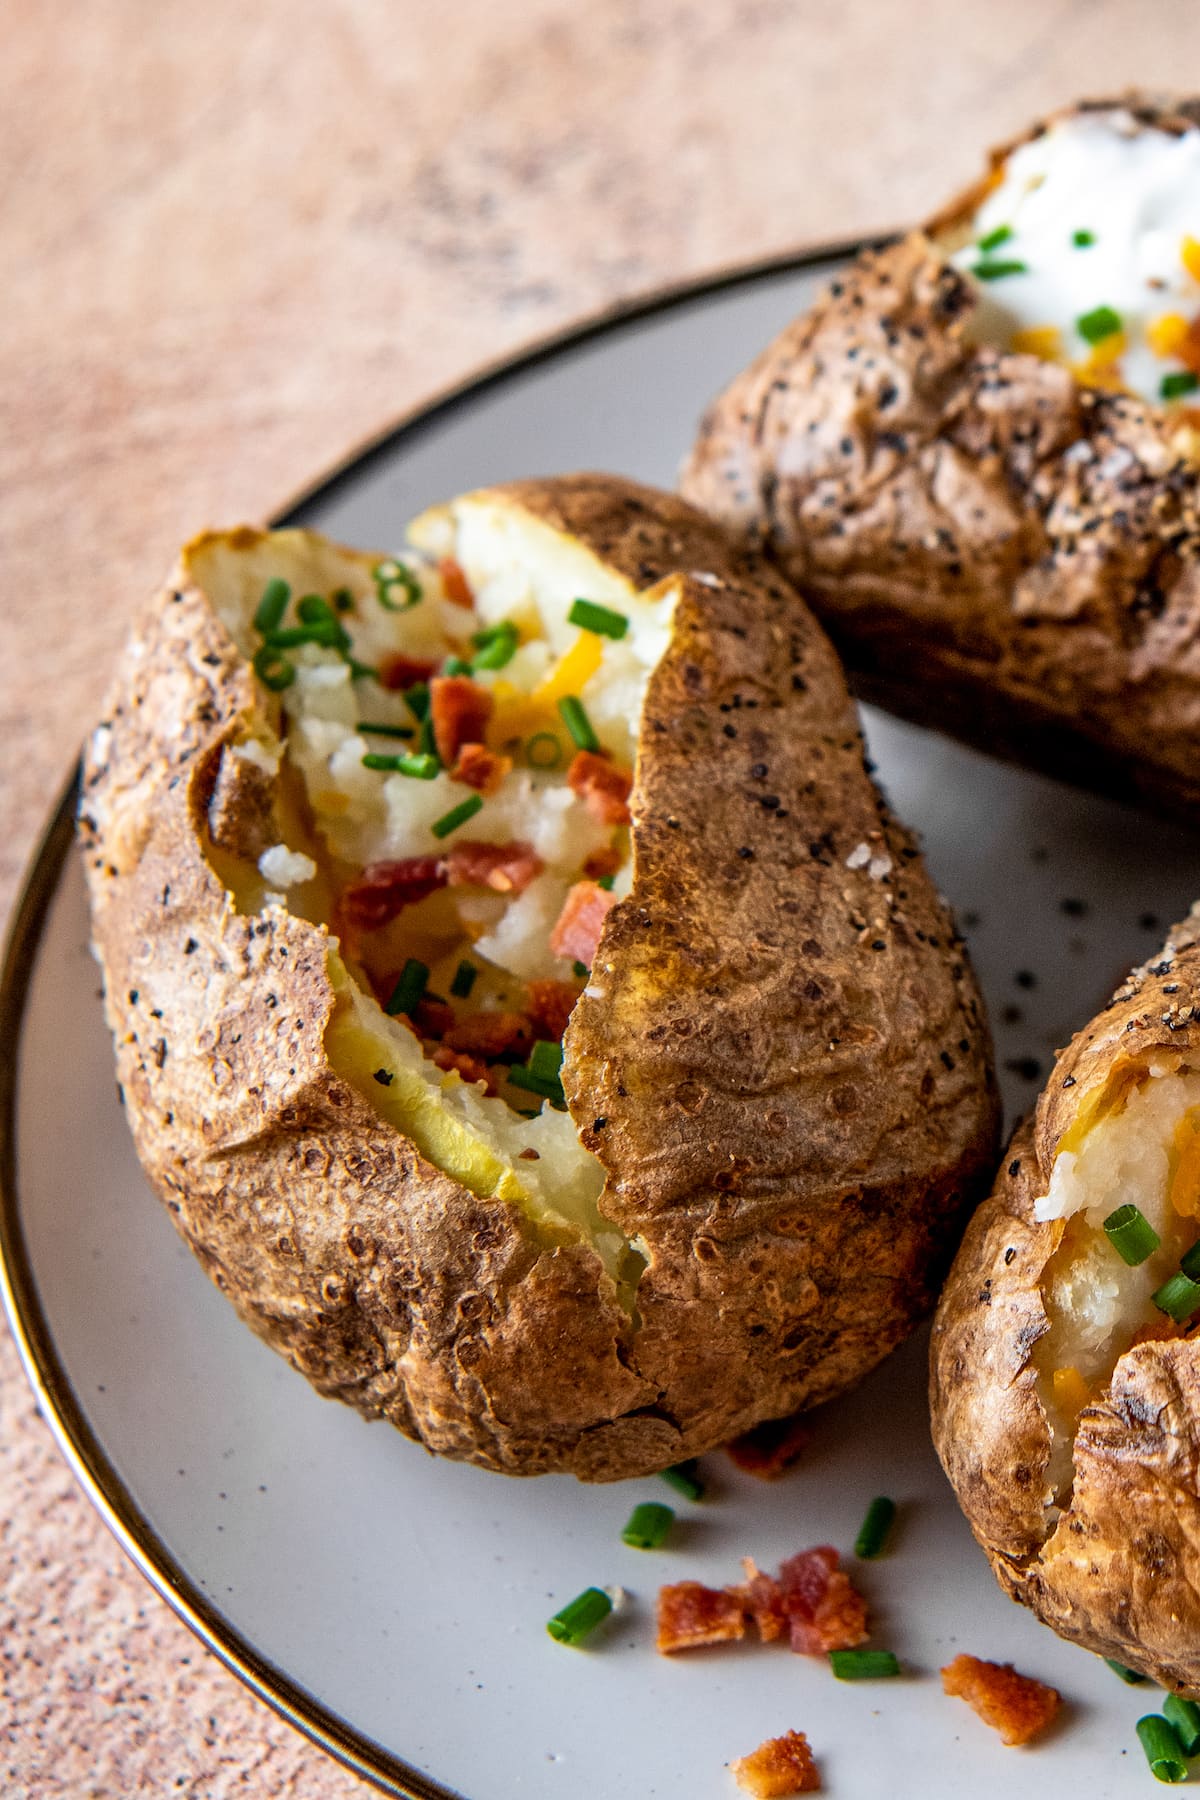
(578, 724)
(580, 1617)
(997, 269)
(543, 751)
(343, 600)
(1129, 1675)
(458, 815)
(875, 1527)
(606, 882)
(995, 238)
(545, 1060)
(1083, 240)
(1173, 387)
(427, 738)
(1183, 1716)
(454, 665)
(290, 637)
(464, 980)
(648, 1526)
(495, 645)
(601, 619)
(421, 768)
(863, 1665)
(1131, 1234)
(547, 1089)
(393, 579)
(272, 606)
(1162, 1748)
(361, 671)
(528, 1112)
(381, 730)
(581, 969)
(273, 668)
(683, 1477)
(1190, 1263)
(409, 988)
(1178, 1297)
(1100, 323)
(416, 698)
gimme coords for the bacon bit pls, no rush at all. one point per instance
(690, 1616)
(433, 1018)
(1015, 1705)
(762, 1598)
(603, 862)
(384, 889)
(783, 1765)
(469, 1067)
(460, 710)
(505, 868)
(825, 1612)
(603, 788)
(458, 588)
(769, 1449)
(481, 768)
(399, 672)
(549, 1005)
(577, 933)
(490, 1035)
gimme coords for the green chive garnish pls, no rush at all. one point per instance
(1184, 1718)
(381, 730)
(581, 969)
(1173, 387)
(360, 671)
(578, 724)
(545, 1088)
(606, 882)
(409, 988)
(464, 980)
(458, 815)
(601, 619)
(343, 600)
(421, 768)
(272, 606)
(995, 238)
(273, 668)
(427, 738)
(545, 1060)
(581, 1617)
(875, 1527)
(648, 1526)
(416, 698)
(1083, 240)
(683, 1477)
(1178, 1297)
(496, 645)
(1102, 322)
(1131, 1235)
(1162, 1748)
(1129, 1675)
(543, 751)
(996, 270)
(863, 1665)
(1190, 1264)
(396, 587)
(454, 665)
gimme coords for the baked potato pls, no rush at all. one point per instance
(1065, 1365)
(525, 1004)
(978, 457)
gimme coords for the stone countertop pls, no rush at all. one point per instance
(237, 241)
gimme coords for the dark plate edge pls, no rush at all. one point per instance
(56, 1399)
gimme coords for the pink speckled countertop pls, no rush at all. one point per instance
(236, 241)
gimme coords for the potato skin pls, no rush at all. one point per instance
(994, 549)
(793, 1121)
(1118, 1569)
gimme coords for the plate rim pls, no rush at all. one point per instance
(56, 1399)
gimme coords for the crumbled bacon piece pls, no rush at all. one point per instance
(460, 710)
(767, 1450)
(577, 932)
(480, 768)
(824, 1610)
(469, 1067)
(399, 672)
(602, 862)
(1015, 1705)
(690, 1616)
(549, 1005)
(783, 1765)
(762, 1597)
(383, 889)
(491, 1035)
(455, 583)
(603, 788)
(433, 1018)
(505, 868)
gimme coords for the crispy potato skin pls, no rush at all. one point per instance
(994, 549)
(793, 1121)
(1118, 1569)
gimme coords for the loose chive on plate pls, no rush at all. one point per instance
(873, 1533)
(1183, 1716)
(601, 619)
(1130, 1675)
(684, 1478)
(1131, 1234)
(863, 1665)
(1162, 1747)
(648, 1526)
(580, 1617)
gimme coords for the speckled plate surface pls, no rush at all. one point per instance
(394, 1606)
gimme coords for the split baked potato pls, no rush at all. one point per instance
(524, 1001)
(979, 457)
(1065, 1362)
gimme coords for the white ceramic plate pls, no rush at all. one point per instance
(395, 1606)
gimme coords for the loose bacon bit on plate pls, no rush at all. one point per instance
(505, 868)
(769, 1449)
(457, 587)
(1015, 1705)
(491, 1034)
(603, 788)
(469, 1067)
(762, 1597)
(460, 710)
(577, 932)
(399, 672)
(480, 768)
(549, 1005)
(690, 1616)
(384, 889)
(602, 862)
(825, 1612)
(783, 1765)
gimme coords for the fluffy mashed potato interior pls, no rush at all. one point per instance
(451, 737)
